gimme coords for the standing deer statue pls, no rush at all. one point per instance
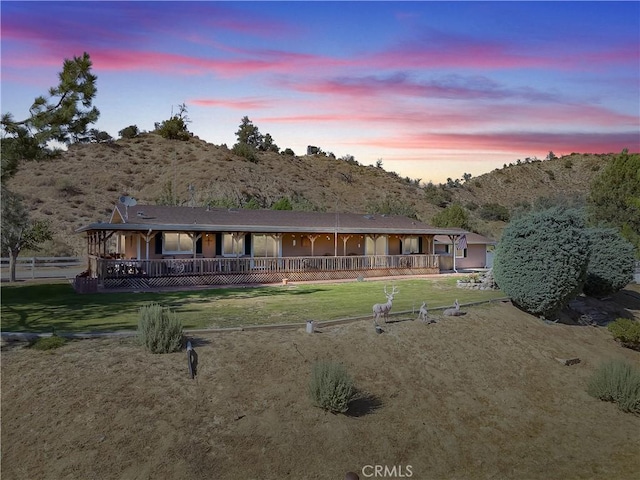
(382, 309)
(423, 315)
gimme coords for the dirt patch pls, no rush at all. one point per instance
(478, 396)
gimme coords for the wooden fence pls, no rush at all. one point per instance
(45, 266)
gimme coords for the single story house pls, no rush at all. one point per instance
(477, 251)
(150, 246)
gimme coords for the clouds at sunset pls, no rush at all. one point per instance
(408, 81)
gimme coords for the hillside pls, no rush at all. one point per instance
(83, 184)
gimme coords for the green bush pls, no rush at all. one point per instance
(494, 211)
(49, 343)
(541, 260)
(617, 382)
(454, 216)
(627, 332)
(129, 132)
(159, 329)
(331, 387)
(611, 263)
(173, 129)
(246, 151)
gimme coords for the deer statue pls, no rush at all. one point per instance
(382, 309)
(455, 311)
(423, 315)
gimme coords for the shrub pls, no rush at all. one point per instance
(452, 216)
(174, 128)
(49, 343)
(159, 329)
(494, 211)
(331, 387)
(617, 382)
(541, 260)
(129, 132)
(627, 332)
(246, 151)
(611, 263)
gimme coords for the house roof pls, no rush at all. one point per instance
(472, 238)
(169, 218)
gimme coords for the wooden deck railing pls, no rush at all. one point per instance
(108, 268)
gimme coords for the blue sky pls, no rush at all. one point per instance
(433, 89)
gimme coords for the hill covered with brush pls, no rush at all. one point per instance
(83, 184)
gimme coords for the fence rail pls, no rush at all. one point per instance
(44, 266)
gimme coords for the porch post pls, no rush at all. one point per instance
(312, 239)
(345, 239)
(453, 250)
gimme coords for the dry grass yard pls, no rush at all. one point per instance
(473, 397)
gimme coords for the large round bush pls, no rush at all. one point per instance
(541, 260)
(611, 263)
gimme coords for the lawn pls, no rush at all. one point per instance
(44, 307)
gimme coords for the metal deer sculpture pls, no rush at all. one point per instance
(455, 311)
(382, 309)
(423, 315)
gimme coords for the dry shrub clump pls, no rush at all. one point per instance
(331, 387)
(159, 329)
(618, 382)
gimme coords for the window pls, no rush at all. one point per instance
(177, 243)
(265, 246)
(231, 247)
(410, 245)
(376, 247)
(460, 253)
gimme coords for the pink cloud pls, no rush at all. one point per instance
(514, 141)
(245, 104)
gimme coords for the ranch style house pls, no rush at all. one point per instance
(152, 246)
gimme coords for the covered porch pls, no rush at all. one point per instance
(158, 273)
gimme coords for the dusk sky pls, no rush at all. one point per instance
(433, 89)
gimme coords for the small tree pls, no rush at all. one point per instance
(268, 144)
(175, 128)
(541, 260)
(453, 216)
(18, 231)
(249, 134)
(611, 263)
(129, 132)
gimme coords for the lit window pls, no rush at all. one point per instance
(231, 247)
(410, 245)
(264, 246)
(177, 243)
(376, 247)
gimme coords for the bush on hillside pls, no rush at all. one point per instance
(159, 329)
(611, 263)
(245, 150)
(494, 211)
(541, 260)
(617, 382)
(129, 132)
(331, 387)
(627, 332)
(454, 216)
